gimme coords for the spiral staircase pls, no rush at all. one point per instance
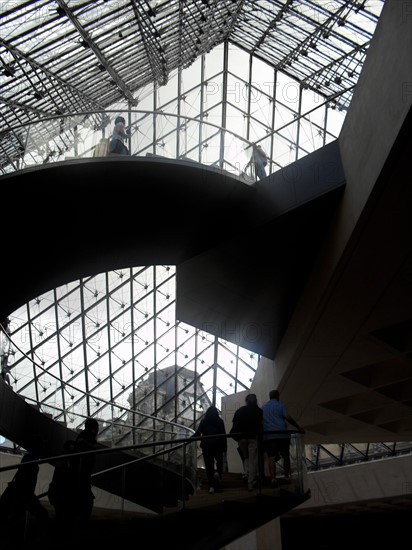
(177, 509)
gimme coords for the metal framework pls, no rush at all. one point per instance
(60, 57)
(334, 455)
(111, 342)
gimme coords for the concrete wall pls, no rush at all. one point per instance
(381, 101)
(267, 537)
(376, 479)
(264, 379)
(230, 404)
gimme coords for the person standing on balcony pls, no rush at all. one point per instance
(260, 160)
(119, 135)
(275, 418)
(247, 429)
(213, 449)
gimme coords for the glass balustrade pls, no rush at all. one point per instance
(150, 134)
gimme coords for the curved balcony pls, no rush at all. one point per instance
(151, 134)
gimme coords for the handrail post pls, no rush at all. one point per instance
(260, 458)
(183, 476)
(123, 490)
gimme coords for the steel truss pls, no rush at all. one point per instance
(320, 457)
(60, 57)
(115, 337)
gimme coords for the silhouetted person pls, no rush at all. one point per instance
(213, 449)
(62, 486)
(242, 458)
(21, 498)
(260, 160)
(5, 325)
(248, 419)
(26, 478)
(83, 469)
(275, 417)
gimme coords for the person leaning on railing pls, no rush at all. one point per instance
(260, 161)
(275, 418)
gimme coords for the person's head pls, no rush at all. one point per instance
(120, 119)
(251, 399)
(91, 426)
(69, 446)
(211, 413)
(36, 444)
(274, 394)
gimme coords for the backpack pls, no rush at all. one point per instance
(101, 148)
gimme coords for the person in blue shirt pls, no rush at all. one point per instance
(275, 418)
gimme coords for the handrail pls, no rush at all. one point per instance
(135, 111)
(105, 450)
(310, 464)
(51, 460)
(257, 508)
(48, 136)
(137, 446)
(260, 504)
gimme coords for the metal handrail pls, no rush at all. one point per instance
(48, 136)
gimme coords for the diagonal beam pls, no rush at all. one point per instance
(17, 53)
(153, 51)
(17, 105)
(98, 53)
